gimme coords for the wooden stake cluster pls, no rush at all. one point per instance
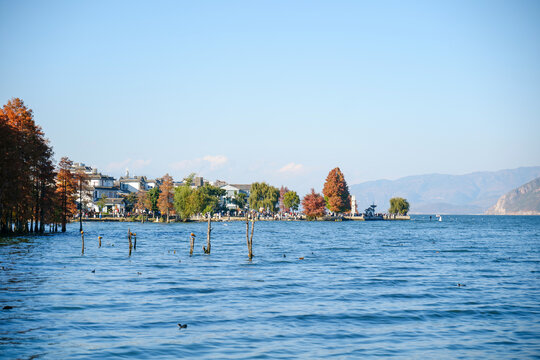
(207, 248)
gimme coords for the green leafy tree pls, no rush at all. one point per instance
(336, 192)
(130, 200)
(399, 206)
(240, 200)
(281, 204)
(101, 202)
(153, 197)
(208, 197)
(291, 200)
(182, 201)
(263, 196)
(184, 204)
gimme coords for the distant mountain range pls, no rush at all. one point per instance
(472, 193)
(525, 200)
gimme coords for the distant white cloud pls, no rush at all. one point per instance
(186, 165)
(209, 161)
(292, 168)
(131, 164)
(216, 161)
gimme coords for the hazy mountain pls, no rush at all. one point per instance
(446, 194)
(525, 200)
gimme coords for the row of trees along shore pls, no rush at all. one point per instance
(35, 193)
(184, 201)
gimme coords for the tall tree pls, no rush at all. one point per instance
(182, 198)
(291, 200)
(399, 206)
(143, 201)
(240, 200)
(336, 192)
(26, 170)
(66, 188)
(314, 205)
(263, 196)
(166, 197)
(130, 200)
(153, 197)
(81, 180)
(206, 199)
(182, 201)
(282, 191)
(101, 202)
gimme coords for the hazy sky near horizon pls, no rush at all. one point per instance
(280, 91)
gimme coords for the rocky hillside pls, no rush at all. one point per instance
(525, 200)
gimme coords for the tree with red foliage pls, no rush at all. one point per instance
(282, 207)
(26, 170)
(66, 189)
(166, 197)
(336, 192)
(314, 205)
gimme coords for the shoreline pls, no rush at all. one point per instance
(237, 218)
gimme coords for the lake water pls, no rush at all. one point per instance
(364, 289)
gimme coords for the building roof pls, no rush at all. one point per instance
(99, 176)
(243, 187)
(132, 179)
(111, 188)
(114, 201)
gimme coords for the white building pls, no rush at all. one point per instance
(231, 190)
(97, 179)
(133, 184)
(151, 183)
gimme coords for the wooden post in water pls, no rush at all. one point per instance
(99, 239)
(130, 243)
(191, 243)
(134, 241)
(207, 248)
(82, 238)
(251, 238)
(248, 239)
(247, 231)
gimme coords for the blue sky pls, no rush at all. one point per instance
(281, 91)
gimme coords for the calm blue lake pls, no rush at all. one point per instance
(363, 290)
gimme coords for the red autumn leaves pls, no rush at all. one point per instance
(336, 197)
